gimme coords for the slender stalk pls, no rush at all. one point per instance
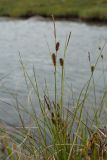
(62, 86)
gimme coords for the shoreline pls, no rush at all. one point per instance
(88, 20)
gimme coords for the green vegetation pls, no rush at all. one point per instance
(84, 9)
(58, 132)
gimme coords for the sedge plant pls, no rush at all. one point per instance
(58, 132)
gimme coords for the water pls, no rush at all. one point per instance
(30, 38)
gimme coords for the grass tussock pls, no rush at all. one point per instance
(58, 132)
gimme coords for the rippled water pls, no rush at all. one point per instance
(30, 38)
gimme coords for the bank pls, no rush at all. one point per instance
(90, 11)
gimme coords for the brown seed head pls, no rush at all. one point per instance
(52, 114)
(57, 46)
(61, 62)
(54, 59)
(89, 58)
(47, 102)
(53, 121)
(102, 56)
(99, 48)
(92, 68)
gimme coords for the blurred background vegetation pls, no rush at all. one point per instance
(83, 9)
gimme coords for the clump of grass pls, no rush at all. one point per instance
(59, 132)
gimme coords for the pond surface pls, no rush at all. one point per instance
(30, 38)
